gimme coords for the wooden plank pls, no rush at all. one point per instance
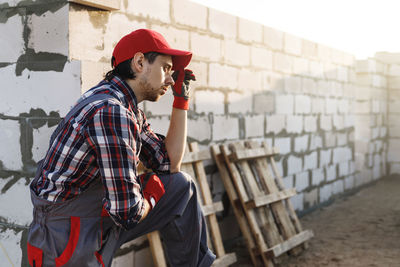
(257, 152)
(250, 214)
(156, 249)
(207, 197)
(225, 260)
(195, 156)
(212, 208)
(289, 244)
(237, 209)
(271, 198)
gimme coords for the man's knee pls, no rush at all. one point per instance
(182, 181)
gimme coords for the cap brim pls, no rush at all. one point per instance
(180, 58)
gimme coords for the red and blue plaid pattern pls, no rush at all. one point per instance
(105, 140)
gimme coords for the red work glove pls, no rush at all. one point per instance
(153, 188)
(181, 88)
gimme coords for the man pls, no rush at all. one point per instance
(88, 197)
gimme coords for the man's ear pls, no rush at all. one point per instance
(137, 62)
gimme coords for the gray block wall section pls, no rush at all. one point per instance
(332, 117)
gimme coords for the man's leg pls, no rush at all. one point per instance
(180, 220)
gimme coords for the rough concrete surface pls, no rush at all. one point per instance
(358, 230)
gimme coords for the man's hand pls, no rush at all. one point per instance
(181, 88)
(153, 188)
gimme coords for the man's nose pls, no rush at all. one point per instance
(169, 80)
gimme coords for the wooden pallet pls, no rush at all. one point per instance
(193, 165)
(261, 204)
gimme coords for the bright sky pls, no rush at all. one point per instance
(360, 27)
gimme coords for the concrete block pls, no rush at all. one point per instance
(393, 150)
(300, 66)
(341, 154)
(200, 69)
(394, 168)
(309, 49)
(288, 181)
(331, 172)
(210, 101)
(225, 128)
(318, 105)
(338, 122)
(309, 86)
(92, 73)
(366, 66)
(325, 157)
(279, 167)
(222, 23)
(301, 143)
(160, 124)
(297, 202)
(324, 52)
(242, 103)
(338, 187)
(302, 181)
(49, 31)
(331, 106)
(317, 176)
(261, 57)
(282, 62)
(343, 74)
(394, 83)
(236, 53)
(311, 198)
(250, 80)
(284, 104)
(330, 139)
(274, 81)
(205, 47)
(125, 260)
(292, 44)
(349, 183)
(316, 69)
(362, 107)
(160, 10)
(375, 132)
(273, 38)
(393, 70)
(223, 76)
(12, 40)
(349, 121)
(325, 122)
(311, 161)
(292, 84)
(302, 104)
(250, 31)
(254, 126)
(264, 103)
(162, 106)
(375, 106)
(343, 106)
(341, 139)
(189, 13)
(41, 138)
(315, 141)
(330, 70)
(283, 144)
(10, 154)
(275, 124)
(325, 193)
(294, 124)
(11, 241)
(85, 41)
(310, 123)
(294, 165)
(199, 129)
(383, 132)
(344, 169)
(15, 203)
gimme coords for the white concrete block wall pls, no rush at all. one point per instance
(334, 119)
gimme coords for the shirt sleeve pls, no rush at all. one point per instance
(113, 133)
(153, 154)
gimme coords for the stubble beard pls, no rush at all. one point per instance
(149, 93)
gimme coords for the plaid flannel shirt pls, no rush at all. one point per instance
(105, 139)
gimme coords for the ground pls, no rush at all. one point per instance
(362, 229)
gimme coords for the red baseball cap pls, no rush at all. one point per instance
(144, 40)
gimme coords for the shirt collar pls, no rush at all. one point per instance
(124, 88)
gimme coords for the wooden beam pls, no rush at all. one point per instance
(270, 198)
(157, 249)
(289, 244)
(225, 260)
(253, 153)
(191, 157)
(212, 208)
